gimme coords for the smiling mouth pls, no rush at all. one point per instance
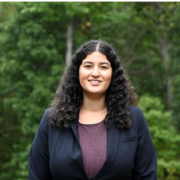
(93, 82)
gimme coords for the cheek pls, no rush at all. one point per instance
(109, 81)
(83, 75)
(108, 76)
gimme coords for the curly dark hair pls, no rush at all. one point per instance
(119, 95)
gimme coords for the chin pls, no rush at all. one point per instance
(96, 92)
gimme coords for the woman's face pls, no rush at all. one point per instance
(95, 73)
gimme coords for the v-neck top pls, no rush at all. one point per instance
(93, 142)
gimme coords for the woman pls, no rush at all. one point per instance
(93, 131)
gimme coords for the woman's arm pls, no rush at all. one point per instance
(145, 166)
(38, 162)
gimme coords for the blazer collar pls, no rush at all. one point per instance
(112, 146)
(74, 126)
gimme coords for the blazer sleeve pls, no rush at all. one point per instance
(38, 161)
(145, 165)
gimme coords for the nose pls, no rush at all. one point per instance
(95, 72)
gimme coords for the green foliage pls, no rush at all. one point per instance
(176, 103)
(31, 64)
(165, 137)
(32, 53)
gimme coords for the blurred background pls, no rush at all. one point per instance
(37, 40)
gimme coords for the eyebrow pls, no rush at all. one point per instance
(100, 63)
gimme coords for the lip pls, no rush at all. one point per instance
(94, 82)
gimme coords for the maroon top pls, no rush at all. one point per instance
(93, 141)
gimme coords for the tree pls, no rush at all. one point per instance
(166, 139)
(163, 17)
(31, 64)
(33, 46)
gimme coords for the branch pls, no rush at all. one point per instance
(133, 46)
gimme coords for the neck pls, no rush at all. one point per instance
(93, 103)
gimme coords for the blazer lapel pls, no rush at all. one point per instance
(112, 148)
(74, 126)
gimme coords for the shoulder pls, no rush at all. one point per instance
(50, 111)
(135, 112)
(48, 114)
(134, 109)
(45, 121)
(137, 116)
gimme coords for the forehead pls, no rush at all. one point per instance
(96, 57)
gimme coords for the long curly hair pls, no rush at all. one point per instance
(119, 95)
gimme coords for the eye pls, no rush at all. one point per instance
(104, 67)
(87, 66)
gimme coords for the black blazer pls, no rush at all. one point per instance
(56, 154)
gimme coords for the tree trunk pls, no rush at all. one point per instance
(69, 42)
(163, 43)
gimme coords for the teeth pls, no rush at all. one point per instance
(94, 81)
